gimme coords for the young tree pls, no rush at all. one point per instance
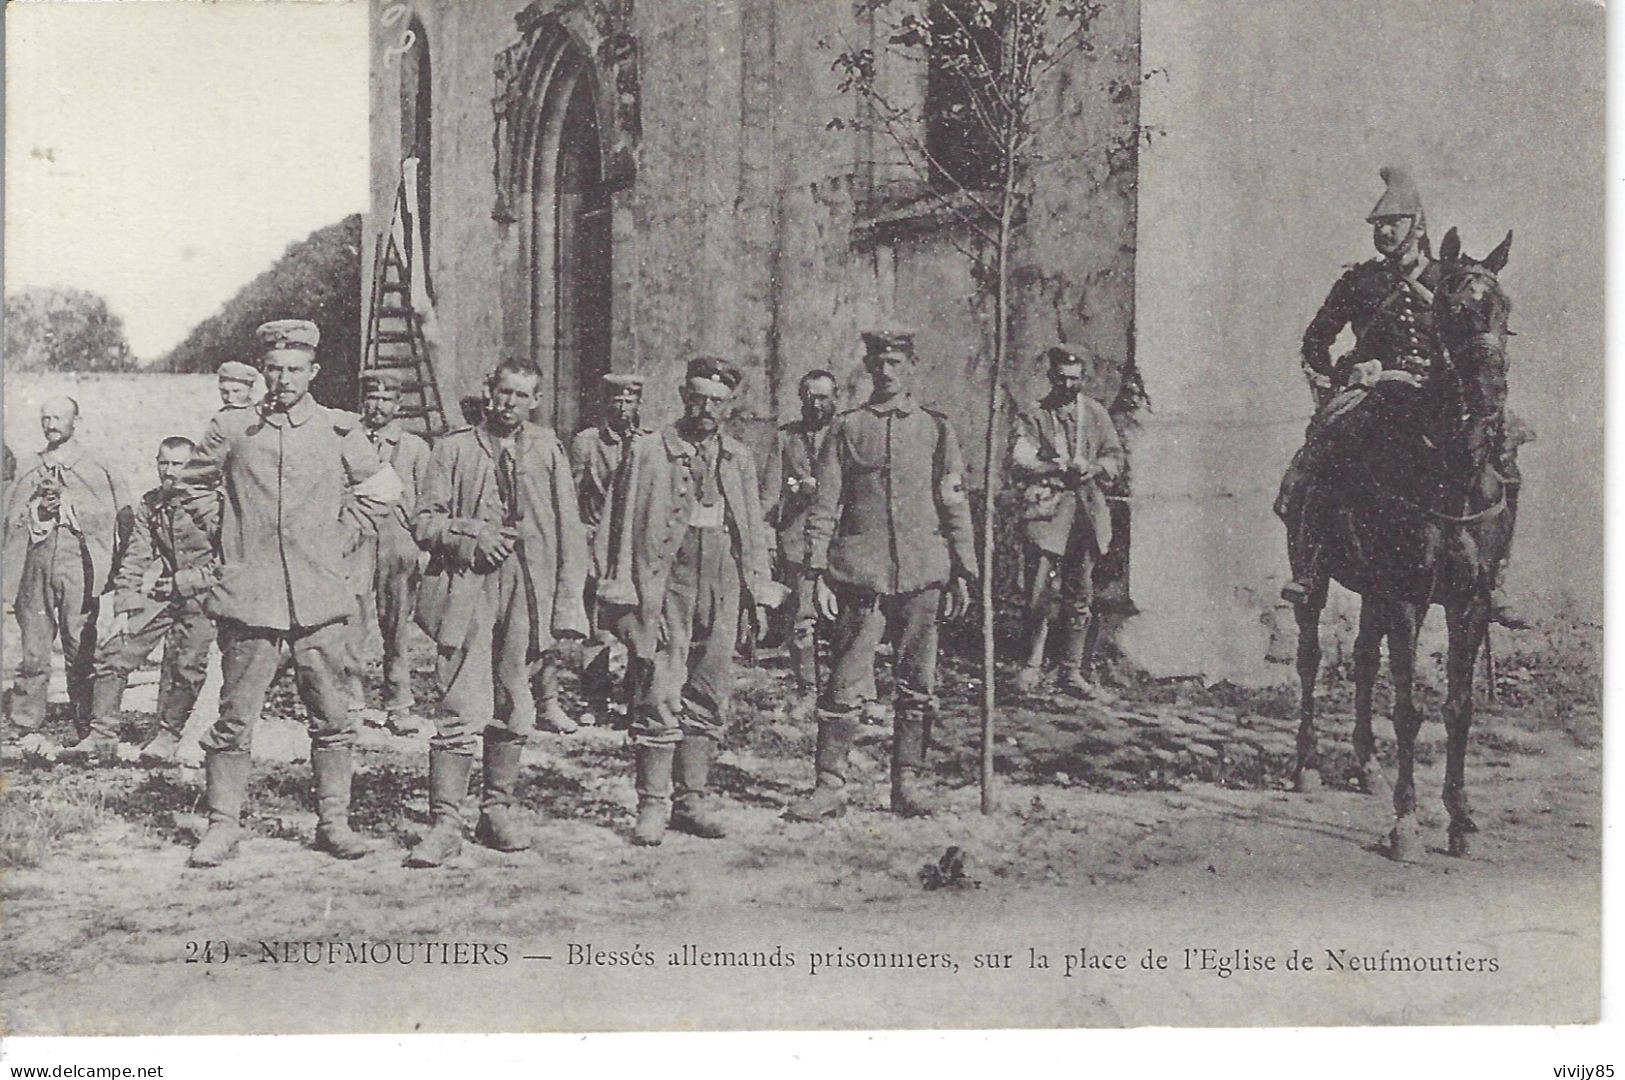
(52, 328)
(974, 141)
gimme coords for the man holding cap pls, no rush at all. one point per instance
(686, 545)
(301, 484)
(889, 544)
(596, 455)
(395, 555)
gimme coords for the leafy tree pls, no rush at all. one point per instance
(53, 328)
(992, 69)
(317, 278)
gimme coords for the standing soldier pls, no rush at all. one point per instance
(157, 594)
(69, 510)
(596, 455)
(395, 568)
(295, 475)
(788, 484)
(1063, 448)
(888, 543)
(507, 566)
(686, 547)
(241, 385)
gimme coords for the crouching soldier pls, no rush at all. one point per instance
(889, 544)
(300, 485)
(507, 565)
(158, 591)
(1063, 448)
(685, 548)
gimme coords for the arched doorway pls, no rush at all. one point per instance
(567, 237)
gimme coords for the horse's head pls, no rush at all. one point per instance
(1471, 310)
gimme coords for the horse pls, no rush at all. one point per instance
(1421, 516)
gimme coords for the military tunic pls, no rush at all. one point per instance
(1391, 321)
(395, 564)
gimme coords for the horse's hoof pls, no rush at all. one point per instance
(1306, 780)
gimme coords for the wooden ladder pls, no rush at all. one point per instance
(395, 333)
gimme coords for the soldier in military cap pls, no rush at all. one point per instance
(302, 487)
(395, 556)
(889, 542)
(596, 455)
(507, 566)
(1063, 447)
(685, 549)
(241, 385)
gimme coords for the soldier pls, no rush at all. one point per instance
(1063, 447)
(241, 385)
(396, 562)
(1388, 303)
(507, 566)
(787, 493)
(888, 542)
(63, 523)
(157, 594)
(596, 455)
(686, 551)
(295, 477)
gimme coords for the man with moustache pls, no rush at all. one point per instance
(686, 550)
(507, 567)
(64, 518)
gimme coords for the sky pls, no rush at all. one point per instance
(164, 153)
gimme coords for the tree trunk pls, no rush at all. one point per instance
(1001, 344)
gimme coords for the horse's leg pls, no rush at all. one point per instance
(1404, 621)
(1467, 626)
(1306, 773)
(1367, 663)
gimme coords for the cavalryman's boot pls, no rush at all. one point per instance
(226, 779)
(836, 732)
(330, 766)
(1076, 675)
(497, 828)
(907, 759)
(448, 787)
(691, 769)
(549, 712)
(654, 765)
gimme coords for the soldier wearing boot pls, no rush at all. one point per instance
(507, 565)
(64, 519)
(596, 455)
(394, 554)
(889, 545)
(301, 488)
(157, 595)
(1063, 447)
(687, 546)
(788, 484)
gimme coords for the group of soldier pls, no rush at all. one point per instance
(289, 527)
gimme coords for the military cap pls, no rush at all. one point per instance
(1062, 353)
(378, 379)
(887, 340)
(289, 334)
(622, 380)
(715, 369)
(1401, 199)
(237, 371)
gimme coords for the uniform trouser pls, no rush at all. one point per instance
(1063, 586)
(251, 656)
(862, 620)
(598, 683)
(485, 682)
(186, 632)
(685, 685)
(54, 602)
(806, 628)
(394, 588)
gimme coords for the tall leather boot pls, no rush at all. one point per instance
(448, 787)
(1076, 675)
(550, 713)
(804, 662)
(654, 766)
(330, 767)
(836, 732)
(226, 779)
(907, 759)
(497, 828)
(691, 769)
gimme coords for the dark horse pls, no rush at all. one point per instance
(1421, 516)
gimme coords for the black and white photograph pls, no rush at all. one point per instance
(802, 515)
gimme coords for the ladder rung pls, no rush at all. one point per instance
(397, 287)
(388, 363)
(394, 311)
(394, 337)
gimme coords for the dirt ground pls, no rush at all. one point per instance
(1164, 824)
